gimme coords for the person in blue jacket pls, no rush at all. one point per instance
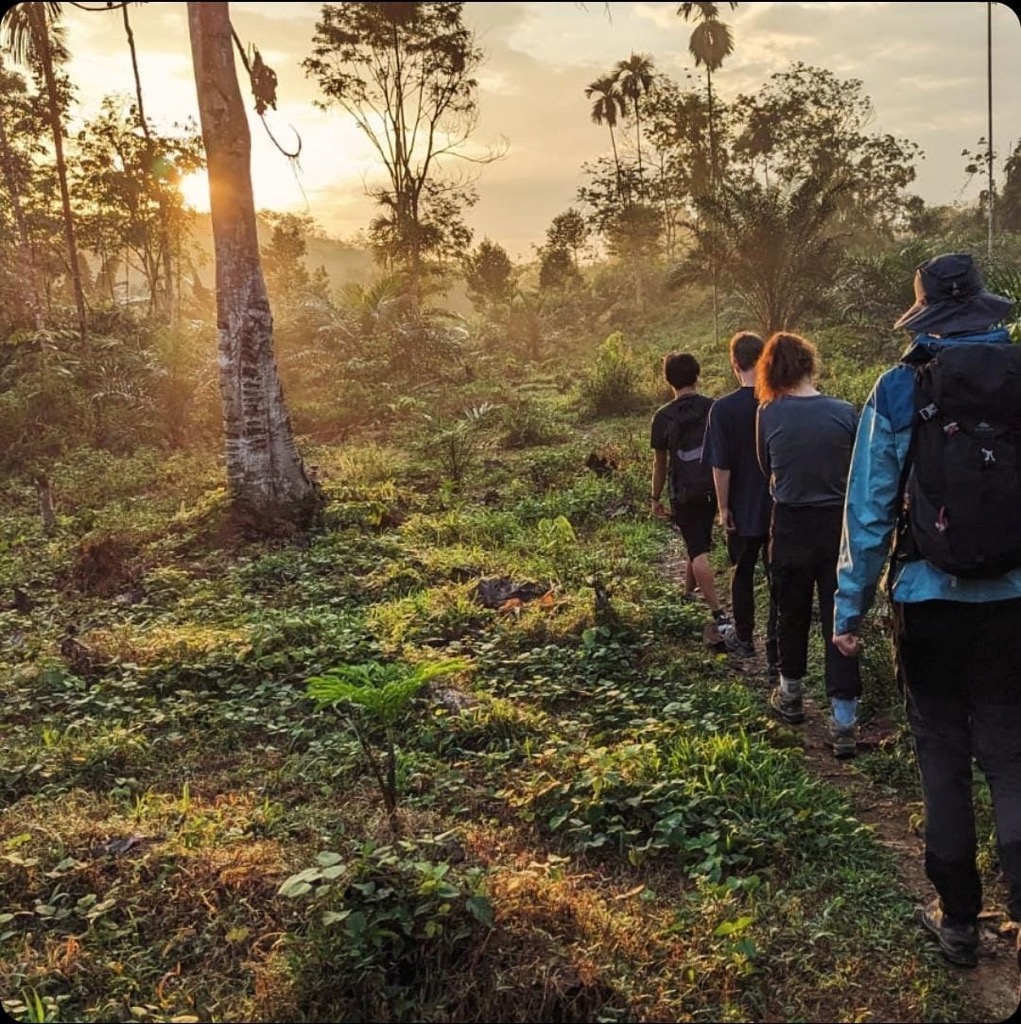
(957, 641)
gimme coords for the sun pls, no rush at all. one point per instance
(194, 189)
(274, 186)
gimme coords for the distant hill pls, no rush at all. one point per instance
(345, 262)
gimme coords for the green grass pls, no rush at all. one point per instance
(597, 822)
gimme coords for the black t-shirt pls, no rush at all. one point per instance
(730, 444)
(679, 428)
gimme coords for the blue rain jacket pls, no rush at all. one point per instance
(870, 508)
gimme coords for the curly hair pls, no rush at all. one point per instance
(785, 362)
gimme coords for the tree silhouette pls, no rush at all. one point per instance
(710, 44)
(635, 79)
(608, 103)
(31, 34)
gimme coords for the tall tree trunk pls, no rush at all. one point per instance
(712, 132)
(712, 186)
(616, 159)
(21, 224)
(41, 38)
(164, 241)
(267, 479)
(638, 142)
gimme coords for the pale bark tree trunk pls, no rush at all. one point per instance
(267, 479)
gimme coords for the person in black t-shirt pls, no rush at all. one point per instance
(678, 431)
(742, 494)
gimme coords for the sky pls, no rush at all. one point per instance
(922, 65)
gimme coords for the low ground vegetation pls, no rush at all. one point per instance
(594, 818)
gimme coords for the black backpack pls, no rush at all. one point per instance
(690, 479)
(961, 482)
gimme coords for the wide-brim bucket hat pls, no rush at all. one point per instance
(951, 298)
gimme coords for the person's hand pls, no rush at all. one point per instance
(727, 520)
(657, 509)
(847, 643)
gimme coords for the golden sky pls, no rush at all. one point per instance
(923, 65)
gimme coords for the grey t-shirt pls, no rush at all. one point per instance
(804, 446)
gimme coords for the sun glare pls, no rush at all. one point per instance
(194, 189)
(274, 185)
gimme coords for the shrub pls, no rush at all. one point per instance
(612, 385)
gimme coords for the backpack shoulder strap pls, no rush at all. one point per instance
(917, 357)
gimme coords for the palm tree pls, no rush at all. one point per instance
(710, 44)
(777, 247)
(30, 33)
(608, 104)
(635, 78)
(267, 479)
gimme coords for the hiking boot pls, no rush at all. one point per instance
(788, 704)
(724, 623)
(739, 648)
(959, 942)
(843, 740)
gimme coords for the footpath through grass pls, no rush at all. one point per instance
(597, 822)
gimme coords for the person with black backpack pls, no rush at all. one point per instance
(678, 430)
(935, 486)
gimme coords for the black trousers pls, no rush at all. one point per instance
(804, 543)
(960, 665)
(744, 553)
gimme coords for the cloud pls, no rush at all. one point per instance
(663, 17)
(922, 67)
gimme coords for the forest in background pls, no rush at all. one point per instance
(526, 790)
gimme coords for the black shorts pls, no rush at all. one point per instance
(695, 520)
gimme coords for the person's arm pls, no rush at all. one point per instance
(715, 453)
(870, 515)
(721, 479)
(659, 466)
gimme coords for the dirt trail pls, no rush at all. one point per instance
(993, 984)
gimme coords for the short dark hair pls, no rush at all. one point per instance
(745, 349)
(786, 361)
(681, 369)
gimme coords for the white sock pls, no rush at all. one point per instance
(790, 687)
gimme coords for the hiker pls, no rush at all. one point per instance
(934, 476)
(804, 442)
(742, 496)
(678, 430)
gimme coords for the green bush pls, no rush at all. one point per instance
(612, 386)
(387, 932)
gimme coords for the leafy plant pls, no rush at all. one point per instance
(612, 385)
(458, 445)
(389, 930)
(376, 694)
(557, 538)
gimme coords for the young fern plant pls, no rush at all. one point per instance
(374, 695)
